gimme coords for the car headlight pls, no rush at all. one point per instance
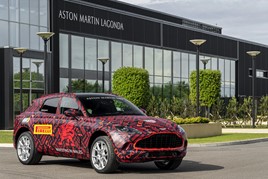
(182, 131)
(127, 129)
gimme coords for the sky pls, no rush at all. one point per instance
(243, 19)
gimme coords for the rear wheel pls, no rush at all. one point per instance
(168, 164)
(26, 151)
(103, 158)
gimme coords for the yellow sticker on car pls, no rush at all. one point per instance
(43, 129)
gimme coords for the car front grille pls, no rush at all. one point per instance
(160, 141)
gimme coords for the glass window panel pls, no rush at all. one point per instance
(26, 68)
(158, 90)
(176, 64)
(214, 64)
(184, 65)
(37, 70)
(158, 79)
(4, 33)
(151, 79)
(64, 51)
(167, 63)
(91, 54)
(222, 89)
(103, 52)
(14, 10)
(63, 84)
(91, 86)
(149, 60)
(24, 11)
(34, 39)
(221, 68)
(232, 89)
(167, 80)
(232, 71)
(106, 86)
(158, 57)
(24, 35)
(138, 56)
(43, 13)
(192, 63)
(127, 55)
(14, 34)
(227, 70)
(176, 80)
(77, 52)
(116, 55)
(37, 85)
(4, 9)
(34, 12)
(227, 90)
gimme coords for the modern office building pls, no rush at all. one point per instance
(128, 35)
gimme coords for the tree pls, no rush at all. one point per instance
(132, 84)
(217, 109)
(246, 110)
(82, 85)
(263, 109)
(232, 111)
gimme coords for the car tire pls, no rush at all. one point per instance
(168, 164)
(103, 158)
(26, 151)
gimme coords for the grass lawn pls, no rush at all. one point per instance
(227, 138)
(6, 137)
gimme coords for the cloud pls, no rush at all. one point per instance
(245, 19)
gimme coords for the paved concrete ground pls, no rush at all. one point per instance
(231, 162)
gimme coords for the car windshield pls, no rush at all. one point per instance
(108, 106)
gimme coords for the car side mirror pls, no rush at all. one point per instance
(73, 113)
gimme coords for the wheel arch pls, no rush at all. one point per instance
(20, 131)
(96, 135)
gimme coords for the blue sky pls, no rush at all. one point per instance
(245, 19)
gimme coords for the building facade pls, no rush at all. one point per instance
(128, 35)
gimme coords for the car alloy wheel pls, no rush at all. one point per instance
(26, 151)
(100, 155)
(24, 148)
(103, 158)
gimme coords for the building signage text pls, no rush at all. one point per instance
(88, 19)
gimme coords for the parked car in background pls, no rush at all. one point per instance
(105, 129)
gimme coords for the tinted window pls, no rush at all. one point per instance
(108, 106)
(68, 103)
(50, 105)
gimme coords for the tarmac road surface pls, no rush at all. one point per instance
(230, 162)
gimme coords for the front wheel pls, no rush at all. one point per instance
(26, 151)
(168, 164)
(103, 158)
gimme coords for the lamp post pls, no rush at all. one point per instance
(197, 43)
(205, 62)
(45, 36)
(103, 61)
(20, 51)
(253, 54)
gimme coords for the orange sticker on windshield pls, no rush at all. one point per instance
(43, 129)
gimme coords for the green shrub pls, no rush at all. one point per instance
(132, 84)
(193, 120)
(209, 87)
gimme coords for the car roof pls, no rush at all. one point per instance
(94, 95)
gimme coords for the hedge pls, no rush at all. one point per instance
(209, 87)
(133, 84)
(193, 120)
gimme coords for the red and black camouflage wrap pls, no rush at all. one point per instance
(72, 137)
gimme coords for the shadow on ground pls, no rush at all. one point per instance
(186, 166)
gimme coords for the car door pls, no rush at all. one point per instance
(44, 125)
(68, 134)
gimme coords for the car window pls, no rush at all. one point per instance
(68, 103)
(50, 105)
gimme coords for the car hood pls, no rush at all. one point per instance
(144, 124)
